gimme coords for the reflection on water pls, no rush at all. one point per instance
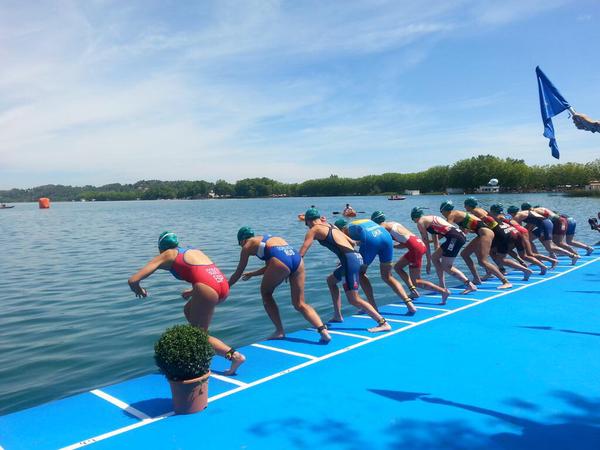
(69, 322)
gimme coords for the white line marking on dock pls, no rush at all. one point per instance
(389, 320)
(396, 305)
(281, 350)
(101, 437)
(498, 283)
(343, 333)
(455, 297)
(121, 404)
(216, 376)
(486, 290)
(520, 277)
(329, 355)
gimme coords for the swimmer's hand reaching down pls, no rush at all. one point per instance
(139, 291)
(246, 276)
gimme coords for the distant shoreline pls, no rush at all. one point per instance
(427, 194)
(466, 175)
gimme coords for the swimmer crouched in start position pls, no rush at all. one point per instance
(540, 227)
(560, 225)
(209, 288)
(343, 247)
(374, 241)
(281, 262)
(506, 238)
(444, 255)
(480, 244)
(404, 238)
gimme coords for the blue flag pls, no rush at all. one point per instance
(552, 103)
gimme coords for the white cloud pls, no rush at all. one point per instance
(114, 92)
(492, 12)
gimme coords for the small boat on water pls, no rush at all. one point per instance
(3, 206)
(396, 197)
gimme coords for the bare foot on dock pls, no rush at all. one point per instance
(505, 285)
(414, 293)
(412, 310)
(543, 270)
(527, 274)
(470, 288)
(574, 258)
(336, 319)
(325, 337)
(589, 251)
(476, 281)
(384, 327)
(486, 277)
(236, 361)
(276, 335)
(445, 296)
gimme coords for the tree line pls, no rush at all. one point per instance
(467, 174)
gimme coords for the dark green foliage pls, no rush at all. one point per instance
(467, 174)
(183, 353)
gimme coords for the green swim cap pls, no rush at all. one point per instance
(378, 217)
(312, 214)
(497, 208)
(244, 233)
(167, 240)
(447, 206)
(471, 202)
(416, 212)
(525, 206)
(512, 209)
(341, 223)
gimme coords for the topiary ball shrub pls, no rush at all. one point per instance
(183, 353)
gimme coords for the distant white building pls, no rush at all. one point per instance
(412, 192)
(593, 186)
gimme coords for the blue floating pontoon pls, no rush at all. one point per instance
(514, 369)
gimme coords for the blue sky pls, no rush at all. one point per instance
(108, 91)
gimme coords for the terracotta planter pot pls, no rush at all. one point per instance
(190, 396)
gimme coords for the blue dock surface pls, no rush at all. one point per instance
(515, 369)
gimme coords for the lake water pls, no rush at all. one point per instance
(69, 322)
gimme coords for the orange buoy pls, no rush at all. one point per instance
(44, 203)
